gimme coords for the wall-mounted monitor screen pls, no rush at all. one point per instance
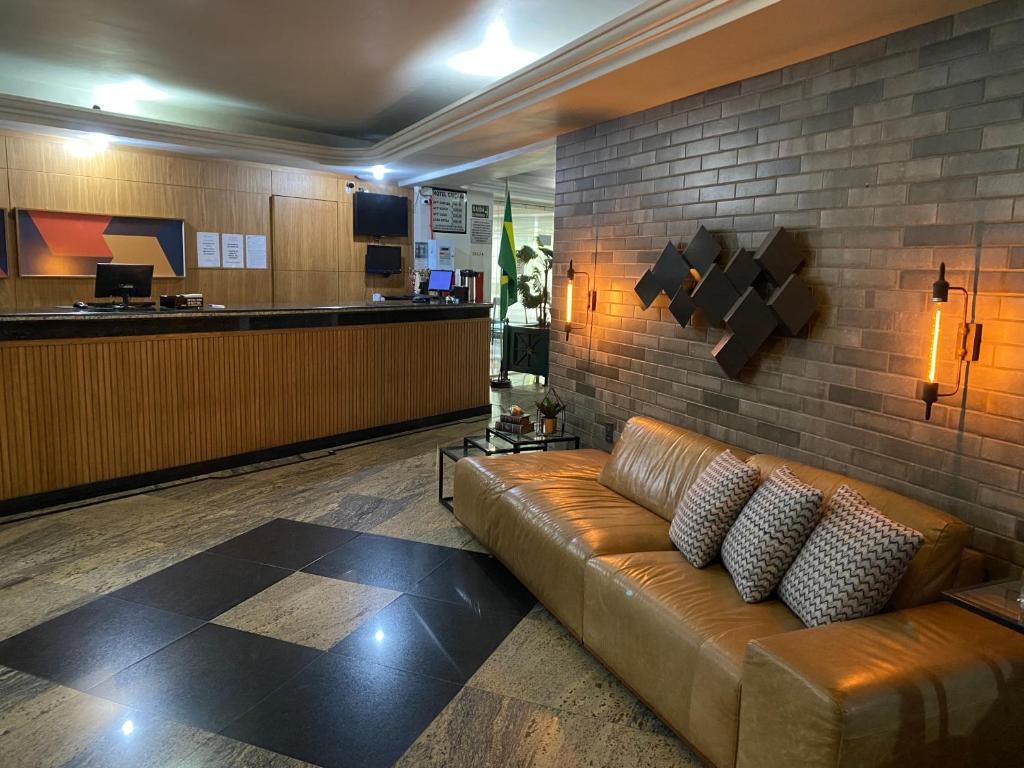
(383, 259)
(380, 215)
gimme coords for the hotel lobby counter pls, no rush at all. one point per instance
(69, 322)
(95, 402)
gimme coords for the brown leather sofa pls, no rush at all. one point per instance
(924, 683)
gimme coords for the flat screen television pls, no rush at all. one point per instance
(383, 259)
(380, 215)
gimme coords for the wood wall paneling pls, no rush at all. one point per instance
(313, 228)
(71, 417)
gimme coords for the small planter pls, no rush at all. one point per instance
(550, 426)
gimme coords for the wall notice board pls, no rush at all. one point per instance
(448, 210)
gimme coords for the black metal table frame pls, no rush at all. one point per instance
(455, 452)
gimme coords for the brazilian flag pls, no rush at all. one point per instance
(507, 259)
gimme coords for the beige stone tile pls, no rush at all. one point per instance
(425, 519)
(222, 752)
(479, 729)
(25, 602)
(308, 610)
(542, 663)
(44, 724)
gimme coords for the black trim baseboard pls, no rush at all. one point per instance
(37, 501)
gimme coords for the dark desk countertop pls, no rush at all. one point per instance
(68, 322)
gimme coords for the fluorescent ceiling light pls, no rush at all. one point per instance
(124, 97)
(378, 172)
(495, 57)
(88, 145)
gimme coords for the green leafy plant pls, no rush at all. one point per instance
(550, 408)
(535, 279)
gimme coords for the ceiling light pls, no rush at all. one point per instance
(124, 97)
(88, 145)
(378, 172)
(127, 727)
(495, 57)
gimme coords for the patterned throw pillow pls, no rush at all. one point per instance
(769, 533)
(710, 506)
(851, 564)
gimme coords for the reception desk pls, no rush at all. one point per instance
(94, 402)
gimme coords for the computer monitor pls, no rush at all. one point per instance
(124, 280)
(440, 280)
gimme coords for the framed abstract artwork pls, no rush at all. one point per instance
(58, 244)
(4, 269)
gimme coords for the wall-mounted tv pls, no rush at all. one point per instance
(380, 215)
(383, 259)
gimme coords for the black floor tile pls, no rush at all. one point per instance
(208, 678)
(381, 561)
(342, 713)
(203, 586)
(89, 644)
(429, 637)
(285, 543)
(478, 581)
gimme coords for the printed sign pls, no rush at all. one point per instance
(480, 224)
(448, 211)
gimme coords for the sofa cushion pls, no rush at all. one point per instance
(677, 635)
(480, 480)
(934, 567)
(546, 531)
(653, 463)
(710, 507)
(769, 533)
(851, 564)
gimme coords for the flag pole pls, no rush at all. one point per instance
(506, 283)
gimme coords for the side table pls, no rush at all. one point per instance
(998, 601)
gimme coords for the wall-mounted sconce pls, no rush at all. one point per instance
(591, 298)
(968, 344)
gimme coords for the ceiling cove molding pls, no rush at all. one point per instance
(650, 29)
(653, 27)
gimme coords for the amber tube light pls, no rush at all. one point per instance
(568, 304)
(968, 346)
(935, 345)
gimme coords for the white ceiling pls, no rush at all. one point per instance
(329, 72)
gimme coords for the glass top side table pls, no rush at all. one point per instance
(999, 601)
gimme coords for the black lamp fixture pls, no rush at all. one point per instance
(968, 343)
(591, 298)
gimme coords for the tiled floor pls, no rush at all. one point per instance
(326, 611)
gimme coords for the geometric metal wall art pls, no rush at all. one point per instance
(752, 294)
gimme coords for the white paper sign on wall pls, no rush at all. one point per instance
(208, 249)
(256, 251)
(233, 251)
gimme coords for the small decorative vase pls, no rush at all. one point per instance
(550, 426)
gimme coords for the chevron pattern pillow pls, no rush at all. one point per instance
(710, 506)
(769, 533)
(851, 564)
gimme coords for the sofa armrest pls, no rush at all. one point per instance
(933, 685)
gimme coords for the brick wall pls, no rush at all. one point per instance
(884, 160)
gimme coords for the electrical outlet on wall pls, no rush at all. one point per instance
(609, 430)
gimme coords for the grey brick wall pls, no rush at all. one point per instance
(884, 159)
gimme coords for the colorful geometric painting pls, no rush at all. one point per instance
(4, 271)
(52, 244)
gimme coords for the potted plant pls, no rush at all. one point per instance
(549, 408)
(535, 279)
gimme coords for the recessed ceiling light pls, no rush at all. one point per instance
(378, 172)
(124, 97)
(495, 57)
(88, 145)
